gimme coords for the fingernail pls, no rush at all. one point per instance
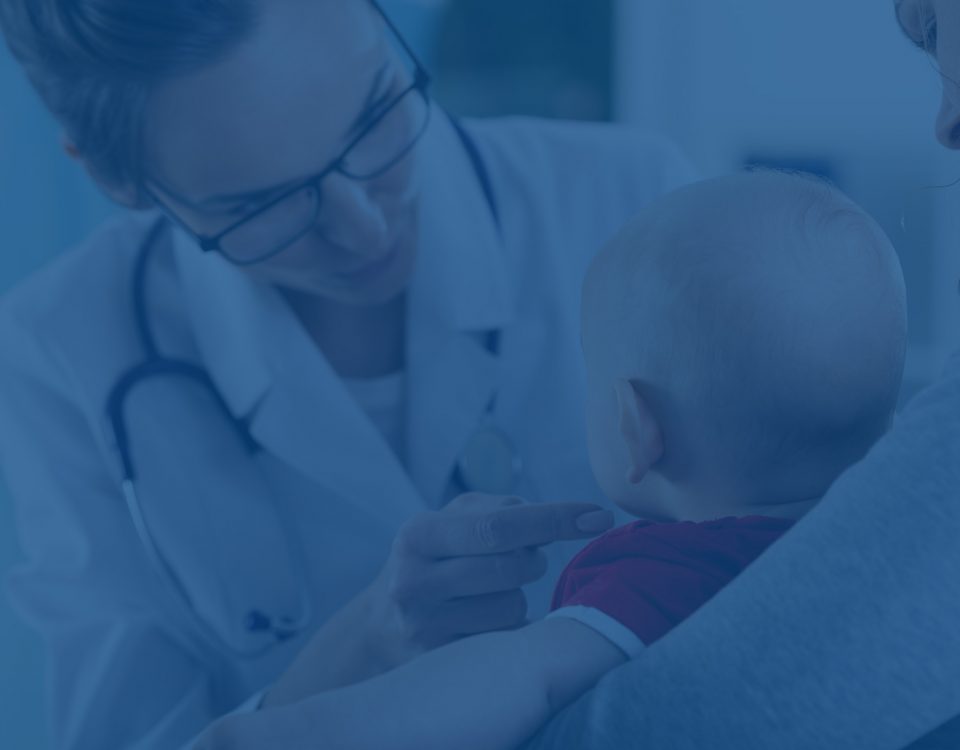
(595, 521)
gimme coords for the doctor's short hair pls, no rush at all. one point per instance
(95, 62)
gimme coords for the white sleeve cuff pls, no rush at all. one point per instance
(618, 634)
(249, 706)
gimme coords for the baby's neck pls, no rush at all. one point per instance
(792, 510)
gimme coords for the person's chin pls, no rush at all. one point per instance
(376, 285)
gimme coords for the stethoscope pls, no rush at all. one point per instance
(488, 463)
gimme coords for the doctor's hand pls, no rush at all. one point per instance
(450, 574)
(459, 571)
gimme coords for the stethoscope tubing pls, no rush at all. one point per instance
(155, 365)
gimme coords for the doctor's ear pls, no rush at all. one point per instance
(639, 430)
(70, 148)
(126, 196)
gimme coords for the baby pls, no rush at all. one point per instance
(744, 341)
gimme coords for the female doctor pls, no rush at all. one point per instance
(233, 421)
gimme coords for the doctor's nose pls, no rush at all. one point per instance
(948, 120)
(349, 217)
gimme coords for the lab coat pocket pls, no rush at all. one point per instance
(221, 541)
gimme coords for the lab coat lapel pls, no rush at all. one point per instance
(458, 295)
(309, 420)
(273, 376)
(453, 379)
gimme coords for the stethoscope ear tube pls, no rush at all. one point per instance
(270, 630)
(490, 461)
(149, 546)
(118, 393)
(255, 621)
(154, 368)
(118, 428)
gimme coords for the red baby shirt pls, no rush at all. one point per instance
(649, 577)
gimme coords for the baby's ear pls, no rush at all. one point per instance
(638, 429)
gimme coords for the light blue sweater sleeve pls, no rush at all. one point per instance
(844, 635)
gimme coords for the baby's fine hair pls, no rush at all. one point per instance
(767, 313)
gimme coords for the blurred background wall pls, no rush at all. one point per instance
(829, 87)
(820, 85)
(45, 206)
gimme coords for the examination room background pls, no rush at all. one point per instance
(821, 85)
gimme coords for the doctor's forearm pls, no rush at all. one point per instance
(342, 652)
(442, 699)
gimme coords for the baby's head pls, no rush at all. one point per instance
(744, 341)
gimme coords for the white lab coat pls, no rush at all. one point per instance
(317, 508)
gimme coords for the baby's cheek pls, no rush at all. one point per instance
(603, 447)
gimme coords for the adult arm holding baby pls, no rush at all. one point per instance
(482, 693)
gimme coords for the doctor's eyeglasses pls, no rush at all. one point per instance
(389, 130)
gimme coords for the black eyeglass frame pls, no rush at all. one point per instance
(420, 85)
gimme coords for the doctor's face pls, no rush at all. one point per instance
(934, 26)
(223, 143)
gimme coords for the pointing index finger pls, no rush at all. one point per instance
(511, 528)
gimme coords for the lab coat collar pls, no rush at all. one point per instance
(233, 318)
(461, 276)
(459, 293)
(269, 372)
(275, 379)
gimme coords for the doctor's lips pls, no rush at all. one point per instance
(371, 269)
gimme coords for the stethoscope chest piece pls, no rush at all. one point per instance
(489, 463)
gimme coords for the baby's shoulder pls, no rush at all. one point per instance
(737, 539)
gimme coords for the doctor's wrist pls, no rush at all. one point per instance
(378, 633)
(346, 649)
